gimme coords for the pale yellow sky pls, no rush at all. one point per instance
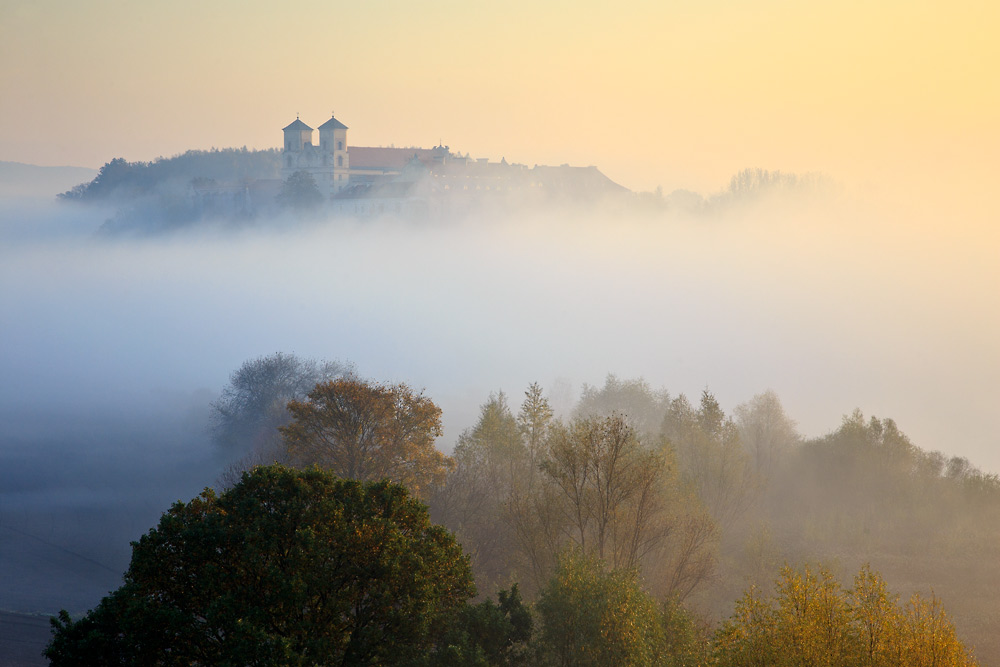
(680, 94)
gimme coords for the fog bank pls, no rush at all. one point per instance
(834, 303)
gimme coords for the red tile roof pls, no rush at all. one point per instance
(369, 157)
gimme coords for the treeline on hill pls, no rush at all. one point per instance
(123, 180)
(623, 534)
(171, 193)
(168, 193)
(746, 187)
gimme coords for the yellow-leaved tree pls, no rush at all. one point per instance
(811, 621)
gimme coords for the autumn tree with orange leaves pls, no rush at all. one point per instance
(368, 431)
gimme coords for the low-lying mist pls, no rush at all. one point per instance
(111, 350)
(826, 302)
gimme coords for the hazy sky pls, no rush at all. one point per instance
(677, 94)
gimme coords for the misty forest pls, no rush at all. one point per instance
(593, 427)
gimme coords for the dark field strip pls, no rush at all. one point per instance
(22, 639)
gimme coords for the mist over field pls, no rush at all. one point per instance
(112, 349)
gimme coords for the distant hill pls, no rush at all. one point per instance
(30, 180)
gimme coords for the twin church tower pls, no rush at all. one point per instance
(328, 163)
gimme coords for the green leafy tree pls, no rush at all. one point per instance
(633, 398)
(493, 496)
(488, 634)
(110, 177)
(288, 567)
(687, 639)
(300, 192)
(596, 617)
(532, 509)
(490, 461)
(766, 432)
(867, 488)
(535, 421)
(712, 458)
(368, 431)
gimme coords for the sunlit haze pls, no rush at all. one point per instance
(855, 266)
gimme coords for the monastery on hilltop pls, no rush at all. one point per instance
(361, 180)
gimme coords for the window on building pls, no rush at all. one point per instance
(340, 160)
(340, 145)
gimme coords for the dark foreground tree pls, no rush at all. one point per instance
(486, 635)
(286, 568)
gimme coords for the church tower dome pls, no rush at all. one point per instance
(298, 135)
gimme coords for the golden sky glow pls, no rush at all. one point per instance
(678, 94)
(886, 298)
